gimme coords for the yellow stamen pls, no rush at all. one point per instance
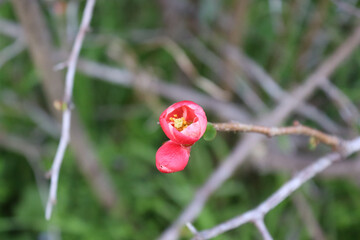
(179, 123)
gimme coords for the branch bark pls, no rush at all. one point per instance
(298, 129)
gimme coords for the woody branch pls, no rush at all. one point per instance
(67, 102)
(297, 129)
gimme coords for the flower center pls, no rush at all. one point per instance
(179, 123)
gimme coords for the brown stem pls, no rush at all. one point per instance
(297, 129)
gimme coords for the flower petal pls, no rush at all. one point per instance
(172, 157)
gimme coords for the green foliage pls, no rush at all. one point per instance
(210, 132)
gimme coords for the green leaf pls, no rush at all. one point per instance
(210, 132)
(313, 142)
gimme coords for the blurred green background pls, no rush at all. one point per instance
(121, 122)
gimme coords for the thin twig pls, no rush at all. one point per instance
(220, 67)
(307, 216)
(191, 228)
(174, 92)
(190, 70)
(347, 8)
(66, 119)
(11, 51)
(281, 194)
(274, 160)
(266, 82)
(297, 129)
(31, 152)
(348, 111)
(259, 223)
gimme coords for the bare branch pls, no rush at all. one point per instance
(258, 74)
(191, 228)
(175, 92)
(190, 70)
(66, 120)
(11, 51)
(32, 154)
(227, 70)
(253, 71)
(347, 8)
(348, 111)
(288, 188)
(243, 148)
(11, 29)
(274, 160)
(298, 129)
(307, 216)
(259, 223)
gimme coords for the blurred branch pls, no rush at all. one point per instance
(190, 70)
(11, 29)
(348, 111)
(234, 79)
(280, 195)
(268, 158)
(31, 152)
(297, 129)
(257, 73)
(11, 51)
(253, 71)
(308, 48)
(348, 8)
(236, 35)
(307, 216)
(244, 147)
(40, 46)
(275, 9)
(225, 70)
(41, 118)
(175, 92)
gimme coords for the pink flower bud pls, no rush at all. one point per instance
(172, 157)
(184, 122)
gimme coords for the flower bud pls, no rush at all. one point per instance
(172, 157)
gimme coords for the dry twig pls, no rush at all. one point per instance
(348, 111)
(11, 51)
(222, 68)
(66, 120)
(347, 8)
(307, 216)
(258, 74)
(297, 129)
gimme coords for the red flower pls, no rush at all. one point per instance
(172, 157)
(184, 122)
